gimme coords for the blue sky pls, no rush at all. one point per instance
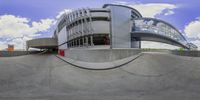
(30, 15)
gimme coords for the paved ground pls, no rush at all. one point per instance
(152, 76)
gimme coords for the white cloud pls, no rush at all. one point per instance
(198, 18)
(43, 25)
(16, 30)
(121, 2)
(197, 43)
(192, 30)
(60, 14)
(152, 9)
(2, 45)
(65, 11)
(170, 12)
(13, 27)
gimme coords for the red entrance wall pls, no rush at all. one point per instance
(61, 52)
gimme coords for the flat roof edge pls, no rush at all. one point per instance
(106, 5)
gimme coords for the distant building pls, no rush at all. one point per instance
(10, 48)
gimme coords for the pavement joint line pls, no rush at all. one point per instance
(109, 68)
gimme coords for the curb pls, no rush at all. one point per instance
(100, 66)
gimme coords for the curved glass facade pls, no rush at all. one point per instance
(154, 26)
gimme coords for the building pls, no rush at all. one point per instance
(84, 28)
(10, 48)
(116, 26)
(42, 43)
(192, 46)
(112, 26)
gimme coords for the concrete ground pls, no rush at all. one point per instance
(152, 76)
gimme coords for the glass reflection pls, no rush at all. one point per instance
(157, 27)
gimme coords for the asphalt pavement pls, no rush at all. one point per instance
(152, 76)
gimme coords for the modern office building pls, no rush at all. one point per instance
(113, 26)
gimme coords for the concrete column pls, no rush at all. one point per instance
(135, 42)
(72, 43)
(83, 40)
(27, 47)
(86, 40)
(79, 42)
(91, 40)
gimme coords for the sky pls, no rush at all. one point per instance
(22, 20)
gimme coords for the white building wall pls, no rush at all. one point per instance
(62, 38)
(120, 27)
(100, 14)
(83, 27)
(101, 27)
(62, 47)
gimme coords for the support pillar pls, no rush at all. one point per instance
(91, 40)
(79, 42)
(135, 42)
(83, 39)
(86, 38)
